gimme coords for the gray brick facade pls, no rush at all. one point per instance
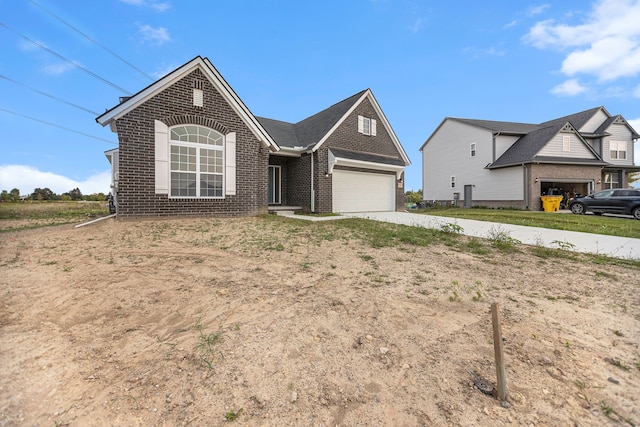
(173, 106)
(196, 94)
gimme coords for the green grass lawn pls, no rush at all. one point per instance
(52, 209)
(614, 226)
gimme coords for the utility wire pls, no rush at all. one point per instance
(50, 96)
(92, 40)
(41, 46)
(58, 126)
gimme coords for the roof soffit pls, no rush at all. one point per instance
(214, 77)
(367, 95)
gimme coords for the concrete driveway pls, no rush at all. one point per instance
(618, 247)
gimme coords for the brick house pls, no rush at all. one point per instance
(505, 164)
(188, 145)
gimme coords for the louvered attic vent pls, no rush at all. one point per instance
(198, 94)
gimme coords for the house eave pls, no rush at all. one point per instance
(376, 106)
(342, 161)
(548, 162)
(111, 116)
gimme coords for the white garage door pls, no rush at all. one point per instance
(363, 192)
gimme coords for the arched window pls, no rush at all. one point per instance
(197, 162)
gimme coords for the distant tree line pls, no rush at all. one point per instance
(413, 197)
(45, 194)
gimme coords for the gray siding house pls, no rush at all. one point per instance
(471, 162)
(188, 145)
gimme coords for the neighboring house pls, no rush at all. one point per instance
(504, 164)
(188, 145)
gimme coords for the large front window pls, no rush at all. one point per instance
(197, 164)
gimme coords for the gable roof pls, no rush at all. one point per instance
(526, 148)
(110, 116)
(534, 136)
(577, 119)
(501, 127)
(309, 134)
(306, 133)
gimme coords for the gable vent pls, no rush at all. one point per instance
(198, 98)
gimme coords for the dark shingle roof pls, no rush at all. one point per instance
(308, 132)
(282, 132)
(502, 127)
(535, 136)
(577, 119)
(525, 148)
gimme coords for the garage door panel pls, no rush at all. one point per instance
(362, 192)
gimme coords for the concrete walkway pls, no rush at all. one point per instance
(618, 247)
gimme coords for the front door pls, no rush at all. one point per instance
(274, 185)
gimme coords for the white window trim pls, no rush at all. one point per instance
(198, 146)
(372, 125)
(620, 147)
(472, 149)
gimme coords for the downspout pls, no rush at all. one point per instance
(313, 192)
(527, 184)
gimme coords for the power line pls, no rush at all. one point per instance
(41, 46)
(50, 96)
(93, 40)
(57, 126)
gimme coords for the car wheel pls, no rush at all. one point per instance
(577, 208)
(636, 213)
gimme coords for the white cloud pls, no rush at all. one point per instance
(478, 52)
(57, 69)
(27, 179)
(28, 46)
(537, 10)
(164, 70)
(606, 44)
(157, 6)
(158, 35)
(417, 25)
(569, 88)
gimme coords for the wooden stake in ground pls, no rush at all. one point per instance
(497, 347)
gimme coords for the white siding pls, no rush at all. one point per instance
(594, 123)
(554, 148)
(619, 132)
(503, 142)
(447, 154)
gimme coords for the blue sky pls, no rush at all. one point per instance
(508, 60)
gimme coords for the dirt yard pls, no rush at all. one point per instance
(275, 322)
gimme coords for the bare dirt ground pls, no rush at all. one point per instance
(274, 322)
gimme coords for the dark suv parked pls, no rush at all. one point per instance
(624, 201)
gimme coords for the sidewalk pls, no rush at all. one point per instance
(617, 247)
